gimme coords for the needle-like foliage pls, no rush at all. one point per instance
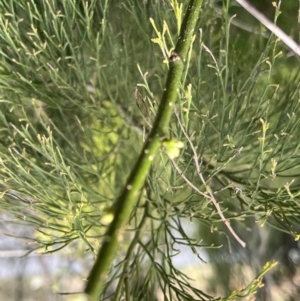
(81, 84)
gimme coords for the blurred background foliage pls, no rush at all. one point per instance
(80, 82)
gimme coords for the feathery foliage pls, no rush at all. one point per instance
(81, 83)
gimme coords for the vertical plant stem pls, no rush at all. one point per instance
(125, 203)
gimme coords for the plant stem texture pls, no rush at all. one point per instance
(135, 182)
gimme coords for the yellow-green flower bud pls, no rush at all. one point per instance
(172, 147)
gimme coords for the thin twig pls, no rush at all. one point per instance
(239, 23)
(271, 26)
(208, 189)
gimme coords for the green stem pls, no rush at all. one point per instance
(125, 203)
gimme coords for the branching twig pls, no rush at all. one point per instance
(209, 193)
(133, 243)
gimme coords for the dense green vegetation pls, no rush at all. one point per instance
(81, 85)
